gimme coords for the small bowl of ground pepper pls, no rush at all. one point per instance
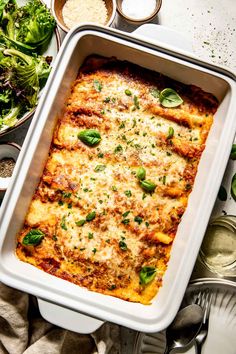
(8, 156)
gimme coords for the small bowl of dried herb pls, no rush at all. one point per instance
(8, 156)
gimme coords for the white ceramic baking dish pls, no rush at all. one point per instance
(52, 291)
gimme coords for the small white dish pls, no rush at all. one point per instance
(221, 337)
(7, 150)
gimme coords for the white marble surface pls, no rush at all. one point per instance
(211, 27)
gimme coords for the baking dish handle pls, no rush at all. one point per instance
(68, 319)
(162, 35)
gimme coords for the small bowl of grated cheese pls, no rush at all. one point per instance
(70, 13)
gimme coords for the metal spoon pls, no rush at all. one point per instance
(184, 328)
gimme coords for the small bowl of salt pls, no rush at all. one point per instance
(138, 11)
(70, 13)
(8, 156)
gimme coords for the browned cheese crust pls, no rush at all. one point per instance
(132, 228)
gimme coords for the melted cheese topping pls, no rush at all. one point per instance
(131, 228)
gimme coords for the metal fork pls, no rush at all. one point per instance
(204, 300)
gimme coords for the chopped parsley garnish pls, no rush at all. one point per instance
(118, 148)
(63, 223)
(91, 216)
(164, 179)
(69, 206)
(114, 188)
(66, 195)
(125, 221)
(123, 246)
(85, 190)
(100, 168)
(128, 193)
(107, 99)
(100, 155)
(94, 250)
(136, 102)
(60, 202)
(97, 85)
(128, 92)
(54, 237)
(80, 222)
(170, 133)
(138, 219)
(126, 214)
(188, 187)
(112, 287)
(90, 235)
(122, 125)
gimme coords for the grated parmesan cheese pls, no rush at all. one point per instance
(78, 11)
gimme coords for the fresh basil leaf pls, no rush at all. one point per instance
(97, 85)
(123, 246)
(100, 168)
(233, 187)
(169, 98)
(141, 173)
(147, 274)
(155, 92)
(91, 216)
(222, 194)
(233, 152)
(148, 186)
(128, 92)
(89, 137)
(33, 238)
(170, 133)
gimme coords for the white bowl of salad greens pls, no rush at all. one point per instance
(29, 42)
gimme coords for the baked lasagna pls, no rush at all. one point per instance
(121, 166)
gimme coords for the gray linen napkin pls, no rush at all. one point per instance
(24, 331)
